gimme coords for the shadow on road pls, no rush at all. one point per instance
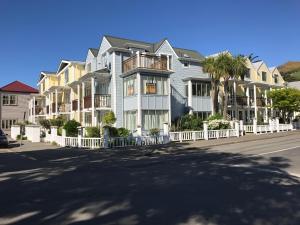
(129, 187)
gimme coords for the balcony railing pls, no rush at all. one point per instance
(260, 101)
(240, 100)
(64, 107)
(146, 62)
(75, 105)
(102, 101)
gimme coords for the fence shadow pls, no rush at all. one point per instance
(159, 187)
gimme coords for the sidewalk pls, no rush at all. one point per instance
(241, 139)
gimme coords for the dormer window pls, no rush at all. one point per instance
(264, 76)
(276, 79)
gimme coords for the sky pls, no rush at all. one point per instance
(36, 34)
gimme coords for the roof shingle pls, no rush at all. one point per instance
(18, 86)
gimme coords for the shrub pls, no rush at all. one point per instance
(109, 118)
(59, 131)
(19, 137)
(59, 121)
(123, 132)
(112, 131)
(188, 122)
(218, 124)
(45, 123)
(43, 134)
(71, 128)
(154, 132)
(216, 116)
(93, 132)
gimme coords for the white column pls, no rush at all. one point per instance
(255, 105)
(170, 100)
(93, 101)
(235, 103)
(78, 102)
(71, 103)
(83, 94)
(266, 107)
(271, 102)
(139, 100)
(205, 130)
(138, 62)
(33, 113)
(248, 103)
(190, 94)
(56, 103)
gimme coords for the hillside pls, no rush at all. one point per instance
(290, 71)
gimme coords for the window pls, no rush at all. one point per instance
(130, 120)
(264, 76)
(203, 115)
(247, 75)
(6, 124)
(275, 78)
(67, 76)
(130, 86)
(186, 64)
(155, 85)
(88, 67)
(154, 118)
(170, 62)
(201, 89)
(10, 100)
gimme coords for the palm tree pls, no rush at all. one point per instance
(253, 58)
(232, 68)
(209, 66)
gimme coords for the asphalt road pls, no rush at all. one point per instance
(254, 182)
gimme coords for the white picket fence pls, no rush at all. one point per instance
(259, 129)
(200, 135)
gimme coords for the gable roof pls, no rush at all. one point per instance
(18, 86)
(94, 51)
(256, 65)
(124, 43)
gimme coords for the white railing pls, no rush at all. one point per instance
(186, 135)
(71, 141)
(285, 127)
(248, 128)
(91, 143)
(296, 125)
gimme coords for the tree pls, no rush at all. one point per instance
(253, 58)
(287, 100)
(109, 118)
(209, 66)
(71, 128)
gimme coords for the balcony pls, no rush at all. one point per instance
(64, 107)
(145, 62)
(102, 101)
(260, 101)
(240, 100)
(39, 110)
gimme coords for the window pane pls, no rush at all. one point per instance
(194, 89)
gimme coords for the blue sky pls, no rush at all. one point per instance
(36, 35)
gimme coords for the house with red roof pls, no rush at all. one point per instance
(14, 99)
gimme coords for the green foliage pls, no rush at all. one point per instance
(109, 118)
(43, 134)
(154, 132)
(45, 123)
(112, 131)
(59, 131)
(287, 100)
(58, 122)
(123, 132)
(71, 128)
(217, 116)
(187, 122)
(19, 137)
(218, 124)
(92, 131)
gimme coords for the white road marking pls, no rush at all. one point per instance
(280, 150)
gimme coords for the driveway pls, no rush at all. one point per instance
(209, 183)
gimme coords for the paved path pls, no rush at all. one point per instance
(185, 184)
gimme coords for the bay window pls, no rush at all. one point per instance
(154, 118)
(130, 120)
(155, 85)
(130, 86)
(201, 89)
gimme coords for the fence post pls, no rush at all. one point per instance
(270, 125)
(106, 137)
(205, 130)
(80, 132)
(15, 131)
(242, 127)
(63, 137)
(277, 124)
(237, 128)
(254, 126)
(180, 136)
(53, 133)
(194, 136)
(139, 134)
(166, 135)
